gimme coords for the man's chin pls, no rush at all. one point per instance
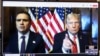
(22, 31)
(74, 33)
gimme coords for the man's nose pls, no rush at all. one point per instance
(21, 22)
(73, 25)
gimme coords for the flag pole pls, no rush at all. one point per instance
(36, 19)
(65, 20)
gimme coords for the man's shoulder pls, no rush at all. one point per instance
(33, 33)
(14, 34)
(84, 34)
(61, 33)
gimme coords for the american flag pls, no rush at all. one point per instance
(32, 12)
(56, 24)
(47, 24)
(44, 16)
(68, 10)
(40, 19)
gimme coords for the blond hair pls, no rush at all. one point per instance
(73, 14)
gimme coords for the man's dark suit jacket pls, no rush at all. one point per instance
(58, 41)
(35, 44)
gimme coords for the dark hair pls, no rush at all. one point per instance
(24, 12)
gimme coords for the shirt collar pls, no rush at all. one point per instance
(71, 35)
(20, 34)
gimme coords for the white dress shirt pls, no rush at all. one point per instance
(77, 42)
(20, 40)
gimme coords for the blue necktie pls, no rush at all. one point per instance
(23, 44)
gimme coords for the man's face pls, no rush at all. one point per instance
(73, 24)
(22, 22)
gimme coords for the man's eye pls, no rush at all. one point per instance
(22, 20)
(25, 20)
(70, 22)
(18, 20)
(76, 22)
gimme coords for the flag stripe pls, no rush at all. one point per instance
(49, 38)
(34, 26)
(57, 22)
(46, 46)
(51, 31)
(49, 14)
(53, 28)
(44, 37)
(41, 24)
(43, 30)
(32, 29)
(33, 21)
(44, 20)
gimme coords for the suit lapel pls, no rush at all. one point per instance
(80, 42)
(30, 43)
(70, 38)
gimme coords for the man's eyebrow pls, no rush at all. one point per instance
(18, 19)
(22, 19)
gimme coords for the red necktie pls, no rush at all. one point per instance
(74, 46)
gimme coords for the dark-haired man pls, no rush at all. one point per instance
(23, 40)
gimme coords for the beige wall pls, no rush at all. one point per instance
(98, 0)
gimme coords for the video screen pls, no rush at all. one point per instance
(49, 28)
